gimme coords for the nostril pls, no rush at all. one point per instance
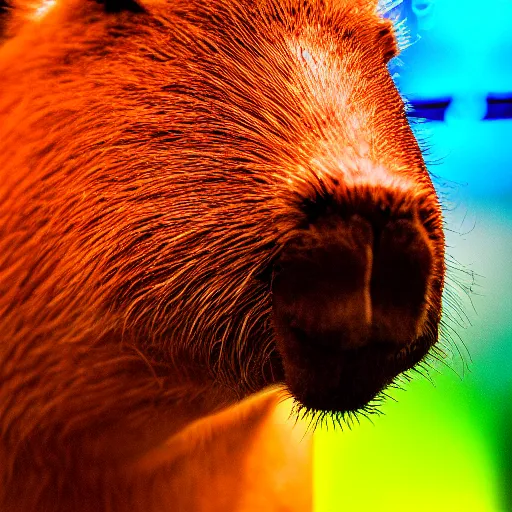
(322, 291)
(400, 280)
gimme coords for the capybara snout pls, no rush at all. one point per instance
(198, 199)
(359, 288)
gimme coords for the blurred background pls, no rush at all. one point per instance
(446, 445)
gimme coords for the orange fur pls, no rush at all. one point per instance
(150, 169)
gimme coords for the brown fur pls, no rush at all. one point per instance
(145, 166)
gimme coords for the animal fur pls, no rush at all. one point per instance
(155, 159)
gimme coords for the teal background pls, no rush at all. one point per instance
(446, 444)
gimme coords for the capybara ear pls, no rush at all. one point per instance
(14, 14)
(40, 5)
(121, 5)
(6, 9)
(388, 40)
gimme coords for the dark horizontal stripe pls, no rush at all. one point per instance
(498, 107)
(430, 109)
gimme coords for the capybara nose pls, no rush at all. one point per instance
(348, 283)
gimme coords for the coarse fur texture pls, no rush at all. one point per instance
(159, 163)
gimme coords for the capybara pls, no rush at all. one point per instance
(199, 199)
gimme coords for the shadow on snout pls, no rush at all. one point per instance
(351, 307)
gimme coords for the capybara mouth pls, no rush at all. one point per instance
(323, 378)
(351, 309)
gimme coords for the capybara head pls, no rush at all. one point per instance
(231, 187)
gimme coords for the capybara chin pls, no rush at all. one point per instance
(198, 199)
